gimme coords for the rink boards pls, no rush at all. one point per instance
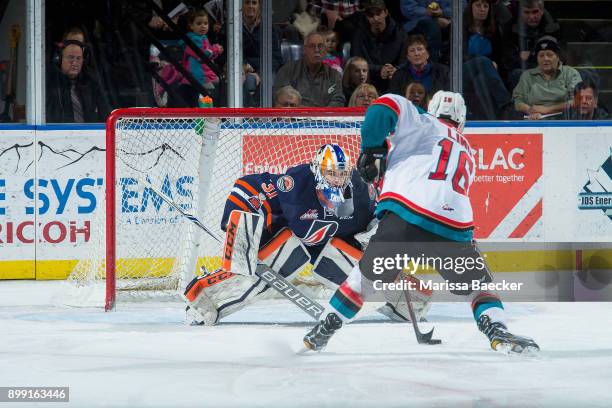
(542, 185)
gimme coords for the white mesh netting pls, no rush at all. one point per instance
(157, 250)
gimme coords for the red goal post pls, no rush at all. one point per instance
(144, 249)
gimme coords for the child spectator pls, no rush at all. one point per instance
(287, 97)
(416, 93)
(333, 58)
(356, 72)
(198, 24)
(363, 96)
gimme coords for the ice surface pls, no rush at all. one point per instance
(142, 355)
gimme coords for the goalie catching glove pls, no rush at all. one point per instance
(372, 163)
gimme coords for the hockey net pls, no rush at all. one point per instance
(142, 248)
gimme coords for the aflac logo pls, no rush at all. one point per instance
(597, 193)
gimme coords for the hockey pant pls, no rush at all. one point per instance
(394, 235)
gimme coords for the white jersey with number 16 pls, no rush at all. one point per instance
(430, 167)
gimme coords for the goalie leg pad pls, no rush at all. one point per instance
(243, 233)
(335, 262)
(396, 307)
(200, 308)
(235, 295)
(285, 253)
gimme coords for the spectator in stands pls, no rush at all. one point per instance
(72, 34)
(585, 106)
(503, 13)
(484, 89)
(481, 34)
(216, 14)
(333, 56)
(545, 91)
(432, 75)
(363, 96)
(282, 15)
(381, 45)
(318, 84)
(531, 23)
(338, 15)
(356, 72)
(199, 24)
(72, 95)
(430, 18)
(287, 97)
(129, 52)
(416, 93)
(252, 43)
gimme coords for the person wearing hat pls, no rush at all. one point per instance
(545, 91)
(381, 43)
(532, 21)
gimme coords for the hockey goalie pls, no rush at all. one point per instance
(319, 213)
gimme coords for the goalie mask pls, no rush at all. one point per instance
(332, 171)
(448, 105)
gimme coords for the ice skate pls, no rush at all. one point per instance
(317, 338)
(504, 341)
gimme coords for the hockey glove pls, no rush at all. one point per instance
(372, 163)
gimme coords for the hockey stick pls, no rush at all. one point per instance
(422, 338)
(263, 271)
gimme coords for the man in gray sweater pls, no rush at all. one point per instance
(318, 84)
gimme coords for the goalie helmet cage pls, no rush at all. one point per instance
(194, 156)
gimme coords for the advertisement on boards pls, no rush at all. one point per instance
(506, 193)
(594, 185)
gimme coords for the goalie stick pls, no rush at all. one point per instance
(269, 275)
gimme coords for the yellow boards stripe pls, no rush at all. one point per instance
(17, 270)
(499, 261)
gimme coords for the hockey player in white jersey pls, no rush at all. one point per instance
(424, 167)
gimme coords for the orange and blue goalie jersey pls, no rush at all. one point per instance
(290, 200)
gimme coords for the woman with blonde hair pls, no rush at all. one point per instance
(356, 72)
(363, 96)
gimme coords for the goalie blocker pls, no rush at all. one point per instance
(213, 296)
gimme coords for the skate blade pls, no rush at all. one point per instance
(309, 348)
(515, 350)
